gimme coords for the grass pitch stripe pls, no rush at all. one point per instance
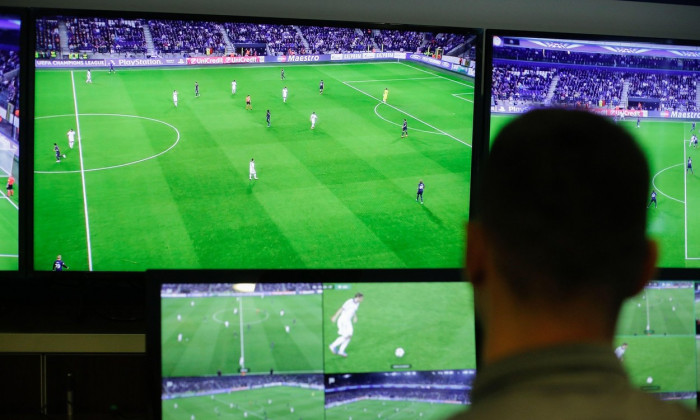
(406, 113)
(82, 173)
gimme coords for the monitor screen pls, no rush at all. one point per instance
(656, 340)
(10, 57)
(651, 89)
(355, 141)
(290, 350)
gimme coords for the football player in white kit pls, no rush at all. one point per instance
(345, 316)
(233, 87)
(252, 174)
(89, 77)
(175, 98)
(620, 351)
(284, 94)
(314, 117)
(71, 138)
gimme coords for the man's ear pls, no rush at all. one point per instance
(475, 254)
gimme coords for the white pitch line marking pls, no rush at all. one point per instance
(653, 183)
(399, 125)
(404, 112)
(82, 174)
(177, 140)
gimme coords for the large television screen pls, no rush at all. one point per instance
(214, 143)
(649, 88)
(309, 350)
(10, 57)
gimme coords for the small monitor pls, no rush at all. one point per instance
(656, 340)
(311, 350)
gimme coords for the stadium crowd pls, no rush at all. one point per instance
(9, 80)
(577, 86)
(596, 59)
(328, 40)
(407, 41)
(436, 386)
(571, 86)
(214, 384)
(191, 37)
(279, 39)
(97, 35)
(455, 396)
(104, 35)
(47, 37)
(511, 82)
(228, 288)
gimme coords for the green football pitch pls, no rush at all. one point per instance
(280, 402)
(433, 323)
(674, 223)
(375, 409)
(661, 339)
(151, 185)
(9, 234)
(200, 336)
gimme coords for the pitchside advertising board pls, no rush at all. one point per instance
(468, 69)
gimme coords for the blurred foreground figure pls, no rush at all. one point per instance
(557, 244)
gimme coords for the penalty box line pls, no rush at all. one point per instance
(406, 113)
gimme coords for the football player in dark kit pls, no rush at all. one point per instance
(320, 87)
(282, 73)
(57, 151)
(59, 265)
(690, 166)
(419, 194)
(196, 89)
(653, 199)
(404, 129)
(268, 117)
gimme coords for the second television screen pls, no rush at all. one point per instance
(649, 89)
(180, 143)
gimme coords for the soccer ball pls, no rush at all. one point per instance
(650, 380)
(64, 155)
(399, 352)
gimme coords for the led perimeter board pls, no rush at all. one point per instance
(649, 87)
(170, 142)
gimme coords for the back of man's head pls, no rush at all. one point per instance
(563, 200)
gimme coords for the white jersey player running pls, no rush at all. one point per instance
(620, 351)
(345, 316)
(284, 94)
(252, 173)
(233, 87)
(71, 138)
(314, 117)
(89, 77)
(175, 98)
